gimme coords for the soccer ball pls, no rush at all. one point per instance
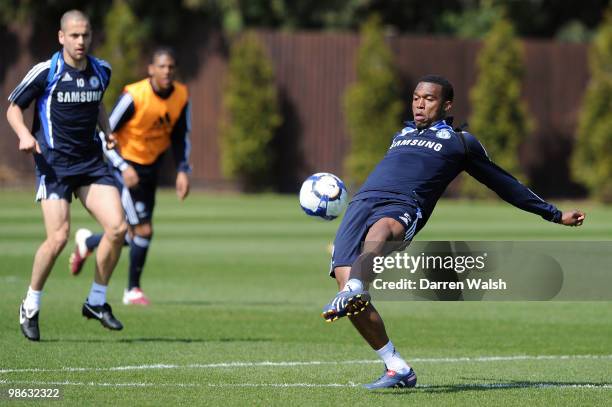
(323, 195)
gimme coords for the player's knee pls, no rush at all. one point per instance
(57, 240)
(116, 232)
(384, 230)
(144, 230)
(379, 232)
(122, 229)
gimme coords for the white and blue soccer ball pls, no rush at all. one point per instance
(323, 195)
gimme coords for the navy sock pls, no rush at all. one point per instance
(138, 254)
(93, 241)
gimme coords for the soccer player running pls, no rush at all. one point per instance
(149, 117)
(67, 90)
(396, 201)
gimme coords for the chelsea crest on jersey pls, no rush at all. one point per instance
(67, 102)
(80, 89)
(420, 163)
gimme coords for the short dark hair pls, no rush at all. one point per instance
(163, 50)
(448, 93)
(72, 15)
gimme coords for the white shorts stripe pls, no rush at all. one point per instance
(41, 192)
(411, 231)
(128, 206)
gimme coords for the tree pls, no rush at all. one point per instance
(574, 31)
(121, 48)
(499, 116)
(472, 22)
(250, 101)
(592, 159)
(372, 105)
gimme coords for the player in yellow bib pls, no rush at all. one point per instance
(150, 116)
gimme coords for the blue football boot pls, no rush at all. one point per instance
(392, 379)
(346, 303)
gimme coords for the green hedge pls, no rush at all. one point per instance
(592, 159)
(251, 105)
(499, 116)
(372, 105)
(121, 48)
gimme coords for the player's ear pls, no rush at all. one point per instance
(447, 105)
(150, 69)
(60, 37)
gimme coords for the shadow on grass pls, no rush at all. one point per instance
(456, 388)
(153, 340)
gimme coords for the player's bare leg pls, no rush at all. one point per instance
(368, 321)
(354, 297)
(56, 216)
(103, 202)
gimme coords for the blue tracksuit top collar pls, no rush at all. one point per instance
(445, 123)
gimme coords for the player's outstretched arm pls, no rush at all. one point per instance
(572, 218)
(27, 142)
(510, 189)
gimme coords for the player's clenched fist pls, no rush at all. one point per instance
(29, 144)
(573, 218)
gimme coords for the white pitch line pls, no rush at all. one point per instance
(535, 385)
(475, 386)
(148, 384)
(306, 363)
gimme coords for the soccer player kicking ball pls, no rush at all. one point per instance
(150, 116)
(395, 202)
(67, 90)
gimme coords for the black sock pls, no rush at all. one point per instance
(138, 254)
(93, 241)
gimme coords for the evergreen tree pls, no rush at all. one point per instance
(121, 48)
(499, 116)
(592, 159)
(372, 105)
(250, 101)
(472, 21)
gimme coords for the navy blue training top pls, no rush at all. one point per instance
(420, 164)
(67, 110)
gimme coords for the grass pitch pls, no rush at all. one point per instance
(237, 285)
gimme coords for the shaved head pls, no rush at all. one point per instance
(75, 37)
(72, 15)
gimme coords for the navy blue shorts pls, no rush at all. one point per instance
(138, 202)
(58, 183)
(360, 216)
